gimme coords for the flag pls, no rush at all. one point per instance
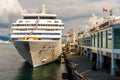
(105, 10)
(70, 33)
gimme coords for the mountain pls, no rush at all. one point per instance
(5, 38)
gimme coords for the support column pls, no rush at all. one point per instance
(91, 55)
(101, 60)
(97, 63)
(81, 51)
(113, 63)
(86, 53)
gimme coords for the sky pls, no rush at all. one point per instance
(74, 13)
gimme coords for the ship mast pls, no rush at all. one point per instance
(43, 7)
(111, 12)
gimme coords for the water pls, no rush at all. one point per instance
(13, 67)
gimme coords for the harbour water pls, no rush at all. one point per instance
(13, 67)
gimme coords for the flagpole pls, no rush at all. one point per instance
(105, 10)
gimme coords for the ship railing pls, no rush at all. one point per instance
(29, 38)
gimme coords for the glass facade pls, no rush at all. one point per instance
(117, 38)
(104, 39)
(98, 39)
(95, 40)
(101, 39)
(92, 40)
(109, 38)
(82, 41)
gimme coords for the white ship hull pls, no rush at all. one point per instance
(38, 53)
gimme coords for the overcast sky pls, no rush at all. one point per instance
(74, 13)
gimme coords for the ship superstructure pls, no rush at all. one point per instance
(37, 37)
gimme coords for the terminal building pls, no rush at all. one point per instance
(100, 42)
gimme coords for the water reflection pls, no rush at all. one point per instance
(13, 67)
(24, 73)
(46, 72)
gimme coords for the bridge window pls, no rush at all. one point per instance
(30, 17)
(40, 17)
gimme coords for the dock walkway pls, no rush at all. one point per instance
(84, 67)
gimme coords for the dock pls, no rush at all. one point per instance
(84, 70)
(95, 51)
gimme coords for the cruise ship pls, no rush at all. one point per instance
(37, 37)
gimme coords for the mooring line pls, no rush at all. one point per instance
(85, 72)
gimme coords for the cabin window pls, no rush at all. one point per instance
(20, 21)
(56, 21)
(30, 17)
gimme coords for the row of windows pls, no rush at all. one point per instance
(47, 21)
(102, 39)
(40, 38)
(38, 25)
(36, 33)
(37, 29)
(40, 17)
(117, 38)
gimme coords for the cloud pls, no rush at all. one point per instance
(73, 12)
(9, 11)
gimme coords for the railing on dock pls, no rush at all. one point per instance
(72, 72)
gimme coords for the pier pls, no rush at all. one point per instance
(97, 54)
(101, 45)
(84, 69)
